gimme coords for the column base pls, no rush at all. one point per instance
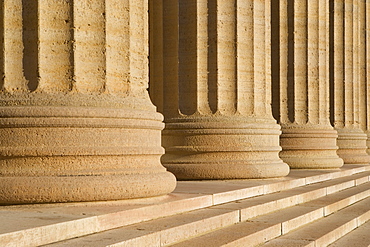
(310, 148)
(73, 154)
(367, 142)
(224, 170)
(43, 189)
(222, 148)
(352, 146)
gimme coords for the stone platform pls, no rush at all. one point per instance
(207, 213)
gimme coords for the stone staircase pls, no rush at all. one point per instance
(307, 208)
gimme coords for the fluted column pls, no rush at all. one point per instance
(216, 90)
(76, 122)
(301, 83)
(349, 81)
(365, 69)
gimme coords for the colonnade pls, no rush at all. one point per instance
(230, 76)
(215, 89)
(247, 88)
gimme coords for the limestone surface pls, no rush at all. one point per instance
(348, 82)
(300, 84)
(76, 121)
(214, 89)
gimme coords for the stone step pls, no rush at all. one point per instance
(232, 190)
(327, 230)
(172, 229)
(253, 207)
(359, 237)
(34, 225)
(160, 232)
(267, 227)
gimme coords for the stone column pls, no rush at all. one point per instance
(76, 121)
(301, 83)
(364, 58)
(347, 83)
(216, 90)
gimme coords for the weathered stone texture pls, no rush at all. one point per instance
(248, 89)
(301, 83)
(76, 120)
(348, 82)
(215, 83)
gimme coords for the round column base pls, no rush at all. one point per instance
(368, 142)
(25, 190)
(352, 146)
(309, 148)
(74, 154)
(204, 171)
(223, 148)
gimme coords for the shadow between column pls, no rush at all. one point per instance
(30, 42)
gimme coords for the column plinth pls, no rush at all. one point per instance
(310, 147)
(80, 153)
(219, 147)
(352, 146)
(81, 129)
